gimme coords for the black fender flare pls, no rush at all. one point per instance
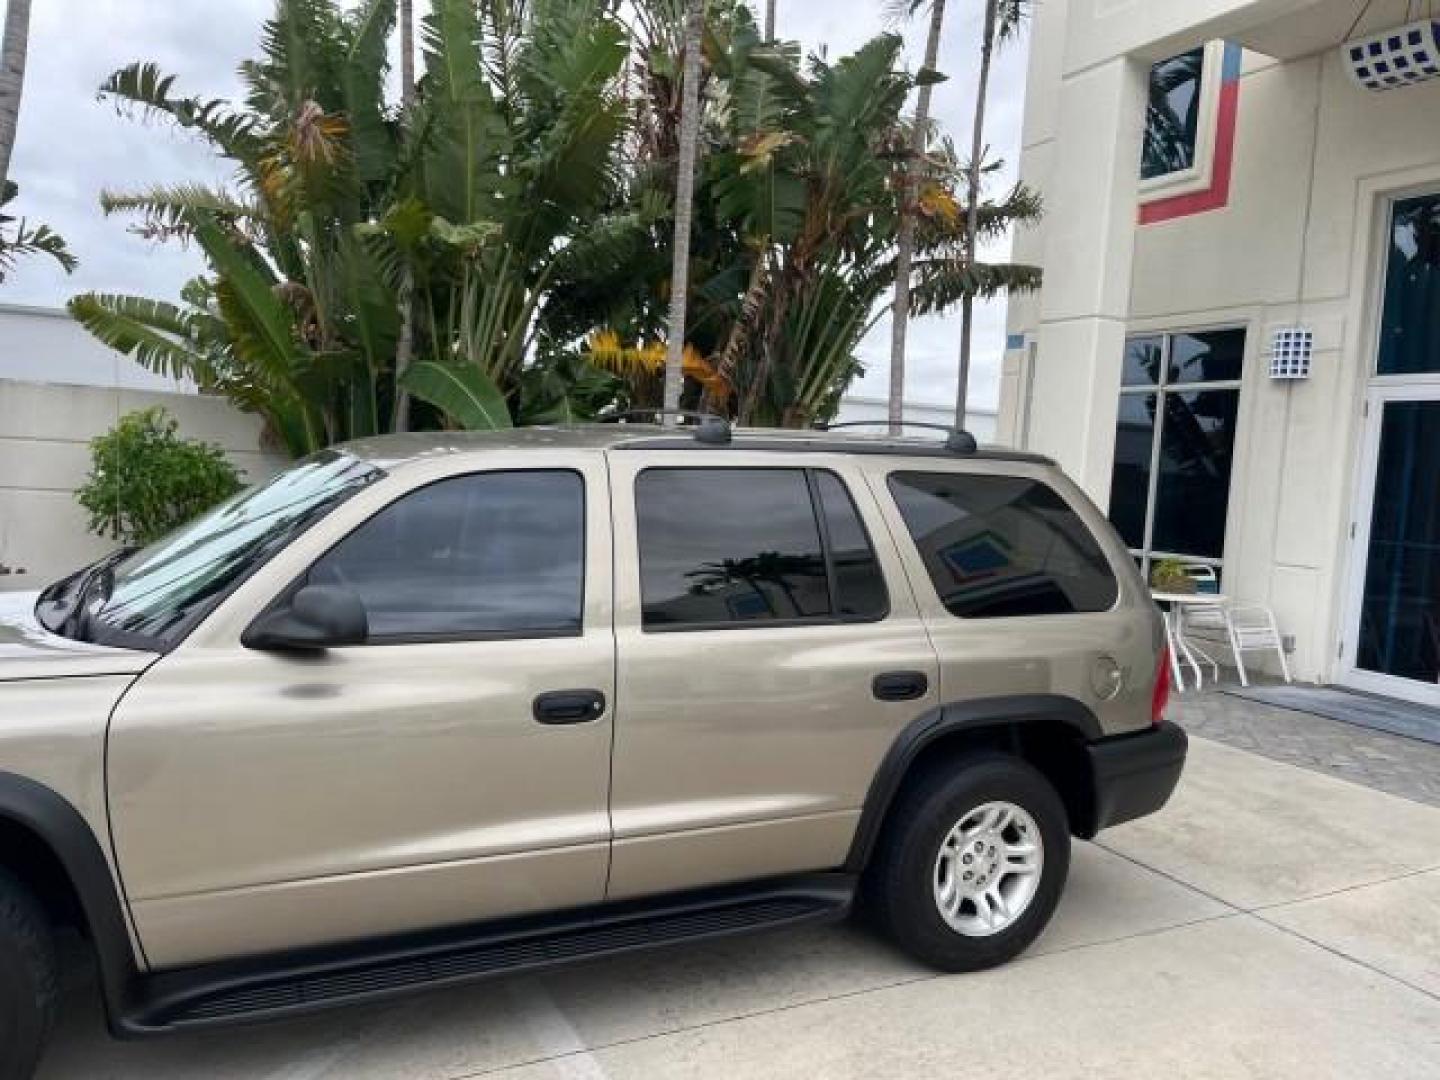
(943, 720)
(55, 821)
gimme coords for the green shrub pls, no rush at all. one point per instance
(145, 480)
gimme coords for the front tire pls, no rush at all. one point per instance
(972, 863)
(29, 980)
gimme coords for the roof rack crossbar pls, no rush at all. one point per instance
(957, 440)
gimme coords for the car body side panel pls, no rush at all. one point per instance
(1070, 655)
(263, 801)
(52, 731)
(745, 752)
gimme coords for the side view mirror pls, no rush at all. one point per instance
(317, 617)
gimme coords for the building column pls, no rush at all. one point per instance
(1089, 226)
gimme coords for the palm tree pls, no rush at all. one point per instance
(905, 241)
(12, 78)
(407, 54)
(769, 20)
(1002, 22)
(26, 239)
(795, 214)
(405, 346)
(684, 201)
(334, 199)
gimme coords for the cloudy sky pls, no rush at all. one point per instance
(70, 145)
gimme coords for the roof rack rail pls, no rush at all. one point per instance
(710, 428)
(957, 440)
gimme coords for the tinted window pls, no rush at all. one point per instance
(1172, 116)
(728, 546)
(859, 585)
(1130, 474)
(1410, 321)
(1000, 546)
(1210, 356)
(1197, 451)
(1143, 356)
(1185, 423)
(490, 553)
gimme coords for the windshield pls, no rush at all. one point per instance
(162, 590)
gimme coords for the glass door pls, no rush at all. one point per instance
(1392, 643)
(1395, 644)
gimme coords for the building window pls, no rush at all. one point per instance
(1410, 321)
(1175, 444)
(1172, 116)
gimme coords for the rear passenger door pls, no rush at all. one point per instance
(756, 605)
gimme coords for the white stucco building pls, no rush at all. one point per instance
(1214, 172)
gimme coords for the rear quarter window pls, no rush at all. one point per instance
(1003, 546)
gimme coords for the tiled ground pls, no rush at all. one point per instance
(1389, 763)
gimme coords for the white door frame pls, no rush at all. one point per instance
(1382, 390)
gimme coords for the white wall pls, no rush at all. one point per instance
(44, 431)
(46, 345)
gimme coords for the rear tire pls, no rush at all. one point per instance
(971, 863)
(29, 980)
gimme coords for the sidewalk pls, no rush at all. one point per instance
(1390, 763)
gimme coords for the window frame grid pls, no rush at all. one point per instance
(1160, 387)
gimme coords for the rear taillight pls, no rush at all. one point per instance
(1160, 696)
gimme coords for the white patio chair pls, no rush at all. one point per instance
(1242, 627)
(1253, 629)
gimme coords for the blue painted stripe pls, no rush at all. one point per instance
(1230, 69)
(1014, 341)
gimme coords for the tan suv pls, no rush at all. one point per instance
(431, 708)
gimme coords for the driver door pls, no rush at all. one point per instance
(263, 801)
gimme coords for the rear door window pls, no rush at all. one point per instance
(733, 547)
(1000, 546)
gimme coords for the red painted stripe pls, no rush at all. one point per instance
(1217, 195)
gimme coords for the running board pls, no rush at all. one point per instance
(269, 988)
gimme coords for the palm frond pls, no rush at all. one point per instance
(30, 240)
(940, 284)
(144, 86)
(158, 336)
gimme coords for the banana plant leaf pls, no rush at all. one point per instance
(462, 391)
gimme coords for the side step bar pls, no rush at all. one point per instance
(269, 988)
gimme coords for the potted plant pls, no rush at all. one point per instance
(1170, 575)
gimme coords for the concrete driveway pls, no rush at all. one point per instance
(1272, 922)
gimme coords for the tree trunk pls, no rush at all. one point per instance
(12, 79)
(684, 193)
(905, 241)
(405, 346)
(407, 54)
(972, 204)
(769, 20)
